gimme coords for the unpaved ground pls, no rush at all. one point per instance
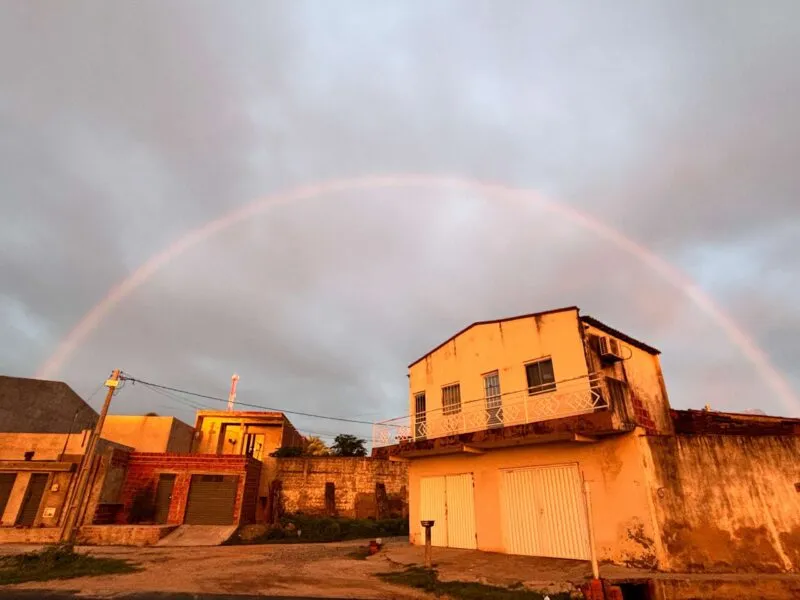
(316, 570)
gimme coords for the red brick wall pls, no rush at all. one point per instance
(144, 469)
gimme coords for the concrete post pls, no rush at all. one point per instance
(427, 525)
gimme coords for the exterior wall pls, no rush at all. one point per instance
(144, 469)
(302, 485)
(149, 434)
(504, 346)
(647, 404)
(40, 406)
(45, 446)
(727, 502)
(621, 515)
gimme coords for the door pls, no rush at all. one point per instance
(6, 485)
(449, 501)
(544, 512)
(32, 500)
(420, 417)
(211, 500)
(494, 402)
(166, 482)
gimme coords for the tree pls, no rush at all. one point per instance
(348, 445)
(316, 447)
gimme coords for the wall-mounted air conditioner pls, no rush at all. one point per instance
(610, 349)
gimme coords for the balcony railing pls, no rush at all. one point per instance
(569, 398)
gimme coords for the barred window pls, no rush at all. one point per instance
(451, 399)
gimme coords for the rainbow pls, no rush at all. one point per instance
(755, 355)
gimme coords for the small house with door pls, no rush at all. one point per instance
(527, 435)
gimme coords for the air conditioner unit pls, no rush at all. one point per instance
(610, 349)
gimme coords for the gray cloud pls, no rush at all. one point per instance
(123, 127)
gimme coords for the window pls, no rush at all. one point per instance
(451, 399)
(420, 415)
(494, 402)
(540, 375)
(616, 392)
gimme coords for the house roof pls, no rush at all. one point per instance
(42, 406)
(476, 323)
(619, 335)
(241, 414)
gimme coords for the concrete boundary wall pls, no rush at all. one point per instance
(726, 502)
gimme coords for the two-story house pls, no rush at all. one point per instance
(509, 418)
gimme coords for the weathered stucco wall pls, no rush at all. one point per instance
(45, 446)
(727, 502)
(646, 403)
(624, 529)
(356, 492)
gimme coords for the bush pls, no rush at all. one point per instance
(328, 529)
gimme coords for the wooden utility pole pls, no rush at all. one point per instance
(79, 499)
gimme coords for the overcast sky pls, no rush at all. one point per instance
(125, 125)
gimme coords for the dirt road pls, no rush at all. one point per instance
(315, 570)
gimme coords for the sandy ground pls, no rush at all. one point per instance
(315, 570)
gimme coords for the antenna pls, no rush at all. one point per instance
(232, 395)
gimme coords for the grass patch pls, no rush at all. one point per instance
(326, 529)
(428, 581)
(58, 562)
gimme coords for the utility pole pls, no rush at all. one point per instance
(79, 499)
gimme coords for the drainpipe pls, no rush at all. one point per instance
(590, 527)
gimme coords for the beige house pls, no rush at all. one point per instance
(512, 421)
(251, 433)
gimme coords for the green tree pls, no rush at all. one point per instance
(316, 447)
(348, 445)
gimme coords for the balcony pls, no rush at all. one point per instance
(572, 397)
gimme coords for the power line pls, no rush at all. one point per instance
(291, 412)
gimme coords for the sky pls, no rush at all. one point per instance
(126, 125)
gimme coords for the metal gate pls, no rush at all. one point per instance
(33, 498)
(211, 500)
(450, 501)
(164, 497)
(544, 512)
(6, 485)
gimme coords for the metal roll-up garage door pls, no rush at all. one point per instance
(544, 512)
(211, 500)
(33, 499)
(449, 501)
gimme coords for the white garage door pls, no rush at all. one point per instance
(450, 501)
(543, 512)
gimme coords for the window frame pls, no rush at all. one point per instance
(542, 387)
(455, 407)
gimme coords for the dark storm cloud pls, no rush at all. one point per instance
(124, 126)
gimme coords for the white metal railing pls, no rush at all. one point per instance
(571, 397)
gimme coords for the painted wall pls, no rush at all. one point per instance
(646, 404)
(504, 347)
(727, 502)
(624, 529)
(149, 434)
(302, 486)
